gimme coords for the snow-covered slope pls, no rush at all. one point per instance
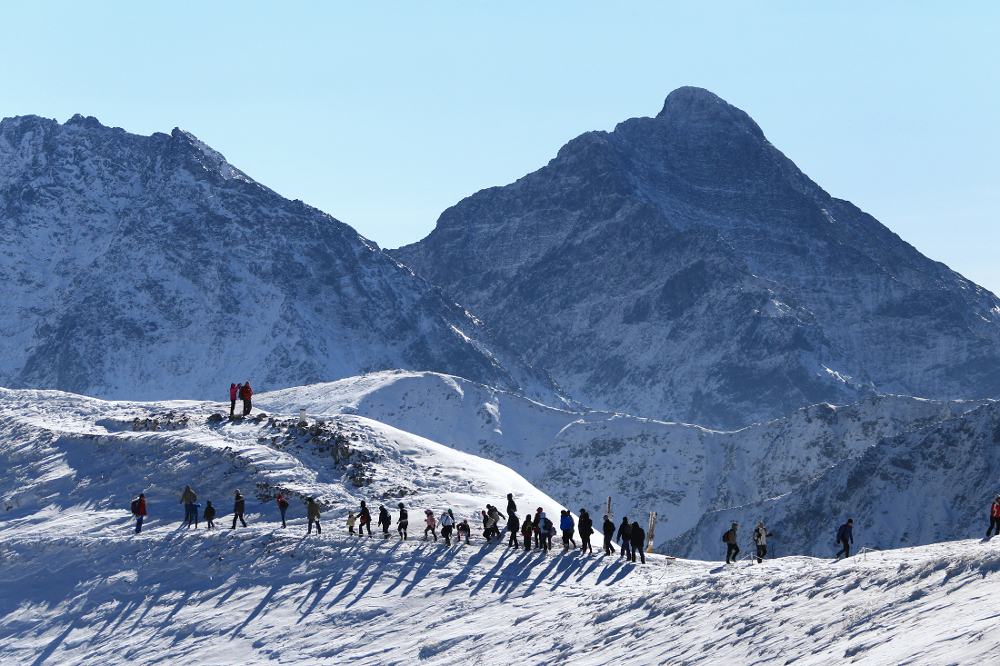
(934, 484)
(78, 586)
(682, 268)
(679, 471)
(148, 267)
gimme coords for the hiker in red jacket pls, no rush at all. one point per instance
(234, 392)
(139, 511)
(994, 517)
(247, 394)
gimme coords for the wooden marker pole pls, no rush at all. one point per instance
(649, 534)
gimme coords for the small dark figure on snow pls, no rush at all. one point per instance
(513, 525)
(431, 524)
(238, 508)
(994, 517)
(188, 499)
(402, 522)
(624, 536)
(210, 515)
(546, 532)
(637, 539)
(365, 518)
(464, 528)
(282, 507)
(760, 535)
(245, 395)
(586, 528)
(234, 392)
(537, 522)
(732, 548)
(609, 535)
(511, 504)
(312, 513)
(495, 516)
(527, 529)
(385, 521)
(844, 535)
(139, 511)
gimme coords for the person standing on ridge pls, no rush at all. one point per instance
(760, 538)
(624, 536)
(732, 548)
(239, 507)
(464, 528)
(365, 519)
(312, 513)
(994, 517)
(447, 521)
(511, 504)
(139, 511)
(188, 499)
(637, 539)
(487, 527)
(567, 527)
(546, 532)
(431, 524)
(513, 525)
(384, 521)
(402, 522)
(209, 515)
(845, 534)
(537, 522)
(247, 395)
(351, 519)
(234, 392)
(527, 529)
(282, 507)
(586, 528)
(609, 535)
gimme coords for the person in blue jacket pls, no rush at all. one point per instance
(567, 527)
(845, 535)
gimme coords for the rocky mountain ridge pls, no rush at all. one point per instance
(682, 268)
(149, 267)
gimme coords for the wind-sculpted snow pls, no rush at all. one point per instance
(679, 471)
(135, 267)
(682, 268)
(935, 484)
(61, 453)
(81, 590)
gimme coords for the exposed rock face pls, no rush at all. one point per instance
(148, 267)
(934, 484)
(682, 268)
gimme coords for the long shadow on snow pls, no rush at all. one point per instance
(485, 578)
(429, 565)
(463, 575)
(264, 603)
(376, 575)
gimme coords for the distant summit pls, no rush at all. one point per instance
(147, 267)
(681, 267)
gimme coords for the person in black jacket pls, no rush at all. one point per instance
(732, 547)
(238, 508)
(845, 533)
(586, 527)
(402, 522)
(637, 538)
(609, 535)
(364, 519)
(385, 521)
(210, 514)
(513, 525)
(511, 504)
(624, 535)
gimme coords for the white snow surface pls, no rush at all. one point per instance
(685, 473)
(78, 586)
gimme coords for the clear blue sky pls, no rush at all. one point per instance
(384, 114)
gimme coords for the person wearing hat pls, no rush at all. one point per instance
(431, 524)
(994, 517)
(239, 506)
(247, 395)
(312, 513)
(402, 522)
(139, 510)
